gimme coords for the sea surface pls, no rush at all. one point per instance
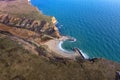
(95, 24)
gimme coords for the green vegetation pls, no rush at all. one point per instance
(16, 63)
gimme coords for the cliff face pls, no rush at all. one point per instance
(42, 27)
(20, 14)
(25, 26)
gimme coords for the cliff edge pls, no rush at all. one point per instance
(23, 30)
(20, 14)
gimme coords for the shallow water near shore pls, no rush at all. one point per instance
(95, 24)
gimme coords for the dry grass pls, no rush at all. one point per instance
(22, 33)
(21, 8)
(17, 63)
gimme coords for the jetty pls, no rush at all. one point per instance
(77, 50)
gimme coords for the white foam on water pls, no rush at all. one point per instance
(60, 47)
(72, 39)
(61, 25)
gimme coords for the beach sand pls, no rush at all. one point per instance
(54, 45)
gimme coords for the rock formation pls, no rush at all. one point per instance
(31, 24)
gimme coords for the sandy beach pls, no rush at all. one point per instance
(55, 46)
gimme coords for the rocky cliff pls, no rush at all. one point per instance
(42, 27)
(20, 14)
(22, 29)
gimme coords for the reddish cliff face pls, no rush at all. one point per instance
(23, 24)
(42, 27)
(56, 33)
(20, 14)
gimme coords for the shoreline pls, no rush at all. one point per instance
(55, 46)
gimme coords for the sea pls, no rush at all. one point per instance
(94, 25)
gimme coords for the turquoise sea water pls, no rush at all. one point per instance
(94, 23)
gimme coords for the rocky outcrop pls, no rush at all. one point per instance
(31, 24)
(54, 21)
(21, 14)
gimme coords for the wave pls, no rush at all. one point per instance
(72, 39)
(60, 26)
(60, 47)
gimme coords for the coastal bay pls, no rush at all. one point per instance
(31, 48)
(94, 25)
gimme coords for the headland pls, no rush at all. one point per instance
(30, 48)
(31, 25)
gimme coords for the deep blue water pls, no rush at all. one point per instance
(94, 23)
